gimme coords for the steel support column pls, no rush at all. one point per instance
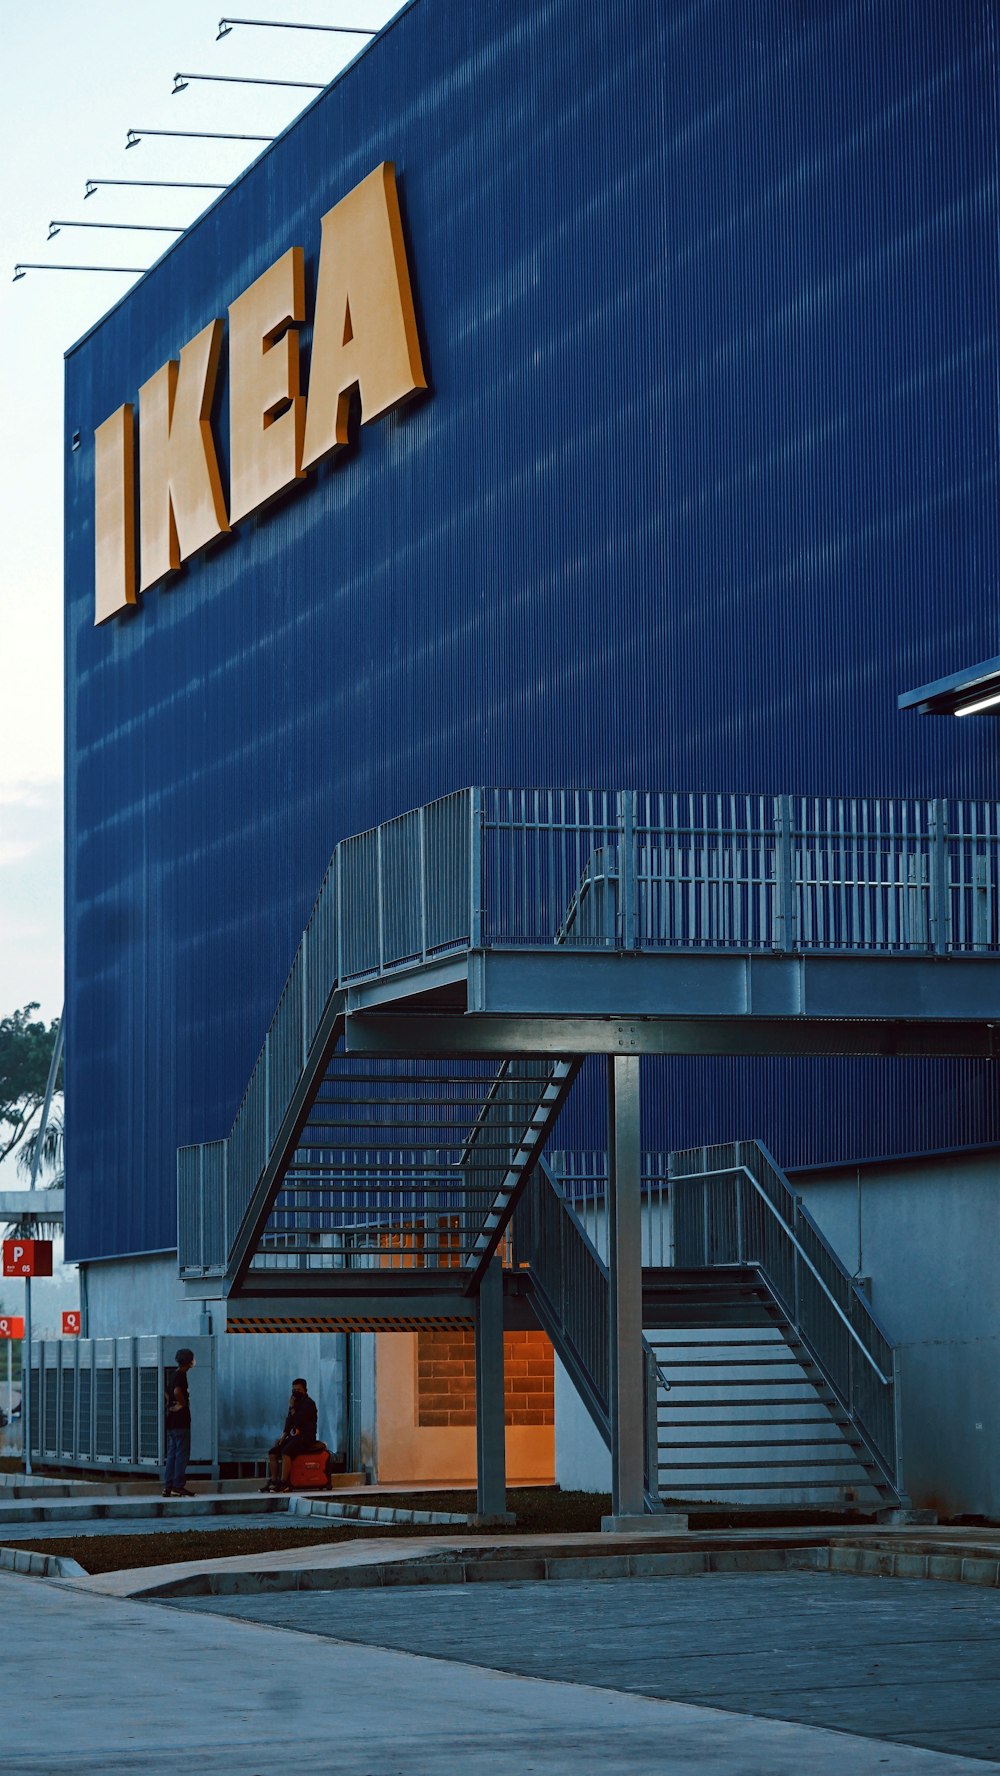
(491, 1456)
(625, 1264)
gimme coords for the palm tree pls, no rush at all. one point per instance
(51, 1173)
(50, 1142)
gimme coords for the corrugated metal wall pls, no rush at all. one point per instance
(707, 474)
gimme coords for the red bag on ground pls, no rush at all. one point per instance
(309, 1471)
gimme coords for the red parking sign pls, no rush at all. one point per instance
(71, 1322)
(27, 1258)
(11, 1326)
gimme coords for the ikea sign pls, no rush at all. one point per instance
(364, 338)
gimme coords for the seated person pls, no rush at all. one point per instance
(297, 1438)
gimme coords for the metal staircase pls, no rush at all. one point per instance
(773, 1381)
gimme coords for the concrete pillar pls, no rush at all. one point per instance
(491, 1455)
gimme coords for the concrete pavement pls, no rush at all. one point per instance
(116, 1687)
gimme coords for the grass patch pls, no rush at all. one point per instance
(122, 1553)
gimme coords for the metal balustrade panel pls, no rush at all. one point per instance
(321, 947)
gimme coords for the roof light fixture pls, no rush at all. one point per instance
(226, 25)
(135, 136)
(151, 184)
(30, 265)
(181, 81)
(140, 227)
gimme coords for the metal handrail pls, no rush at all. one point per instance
(744, 1171)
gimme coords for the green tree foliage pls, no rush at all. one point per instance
(51, 1144)
(25, 1053)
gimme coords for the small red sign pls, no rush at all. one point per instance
(71, 1322)
(27, 1258)
(11, 1326)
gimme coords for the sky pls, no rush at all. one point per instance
(77, 78)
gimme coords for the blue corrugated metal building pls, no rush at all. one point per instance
(706, 473)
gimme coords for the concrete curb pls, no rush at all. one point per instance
(308, 1505)
(40, 1566)
(490, 1568)
(955, 1568)
(497, 1566)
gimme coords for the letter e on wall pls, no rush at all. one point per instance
(266, 411)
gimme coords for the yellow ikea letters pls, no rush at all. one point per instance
(266, 444)
(364, 337)
(114, 499)
(365, 332)
(181, 507)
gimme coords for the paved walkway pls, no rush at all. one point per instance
(109, 1686)
(905, 1661)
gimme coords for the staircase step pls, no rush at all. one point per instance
(726, 1343)
(763, 1443)
(796, 1465)
(784, 1362)
(810, 1485)
(756, 1400)
(691, 1424)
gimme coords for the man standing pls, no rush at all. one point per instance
(178, 1428)
(297, 1438)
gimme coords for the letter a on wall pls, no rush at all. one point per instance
(365, 330)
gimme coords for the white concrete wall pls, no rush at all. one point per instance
(254, 1373)
(583, 1460)
(930, 1241)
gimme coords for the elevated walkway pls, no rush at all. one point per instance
(462, 959)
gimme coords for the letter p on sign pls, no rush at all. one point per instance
(27, 1258)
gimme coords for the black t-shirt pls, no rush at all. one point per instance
(178, 1415)
(301, 1420)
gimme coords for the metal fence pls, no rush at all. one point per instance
(620, 869)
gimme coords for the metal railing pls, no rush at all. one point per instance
(572, 1296)
(733, 1206)
(573, 1278)
(597, 869)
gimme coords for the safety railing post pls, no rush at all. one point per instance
(379, 900)
(939, 920)
(626, 869)
(338, 902)
(267, 1097)
(740, 1241)
(422, 843)
(796, 1281)
(897, 1423)
(305, 995)
(652, 1426)
(784, 911)
(476, 884)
